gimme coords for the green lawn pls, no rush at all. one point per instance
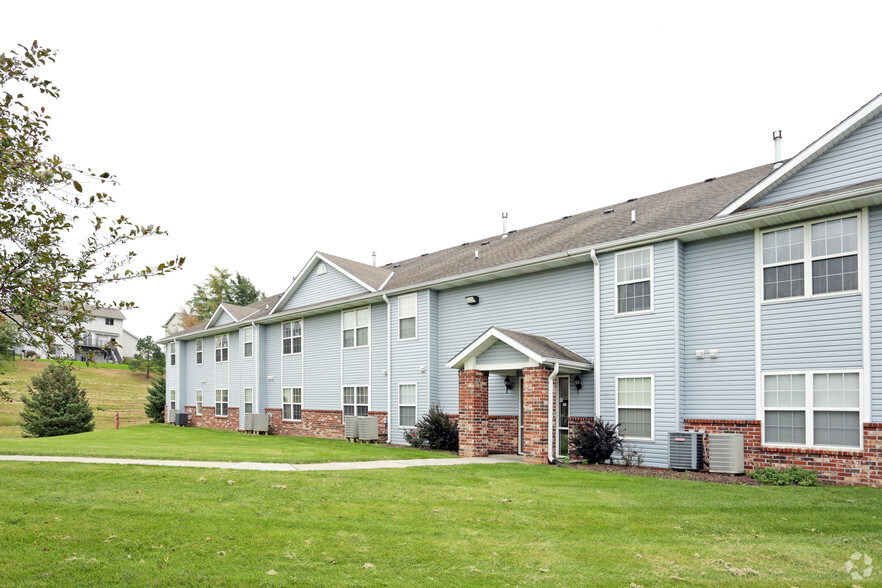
(160, 441)
(77, 525)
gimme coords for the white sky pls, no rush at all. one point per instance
(259, 132)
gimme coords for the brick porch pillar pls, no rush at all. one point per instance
(536, 414)
(473, 435)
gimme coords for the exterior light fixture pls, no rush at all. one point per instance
(508, 384)
(471, 300)
(578, 382)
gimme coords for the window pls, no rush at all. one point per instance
(355, 327)
(221, 348)
(634, 406)
(812, 409)
(172, 399)
(198, 401)
(634, 281)
(221, 402)
(249, 400)
(292, 337)
(355, 400)
(108, 321)
(292, 403)
(407, 399)
(172, 353)
(832, 253)
(248, 339)
(198, 351)
(407, 311)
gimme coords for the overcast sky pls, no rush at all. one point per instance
(259, 132)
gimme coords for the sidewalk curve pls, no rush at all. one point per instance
(272, 467)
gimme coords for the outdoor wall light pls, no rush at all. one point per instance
(471, 300)
(508, 384)
(578, 382)
(270, 378)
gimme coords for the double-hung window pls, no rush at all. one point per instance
(108, 321)
(355, 327)
(221, 402)
(812, 409)
(247, 341)
(198, 351)
(811, 259)
(249, 400)
(634, 405)
(172, 399)
(634, 281)
(172, 353)
(355, 400)
(221, 348)
(292, 403)
(407, 316)
(292, 337)
(407, 399)
(198, 401)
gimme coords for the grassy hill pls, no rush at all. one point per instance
(109, 389)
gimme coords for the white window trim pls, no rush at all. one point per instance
(282, 337)
(356, 404)
(245, 399)
(616, 282)
(414, 405)
(173, 353)
(199, 345)
(246, 341)
(416, 311)
(651, 405)
(292, 403)
(355, 333)
(807, 259)
(199, 401)
(809, 409)
(172, 400)
(216, 348)
(217, 401)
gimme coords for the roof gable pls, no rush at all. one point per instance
(814, 156)
(525, 350)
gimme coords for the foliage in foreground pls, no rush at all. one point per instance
(792, 476)
(55, 405)
(596, 441)
(155, 407)
(434, 430)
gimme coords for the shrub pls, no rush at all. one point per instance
(792, 476)
(155, 407)
(55, 405)
(434, 430)
(597, 441)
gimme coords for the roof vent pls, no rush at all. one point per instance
(477, 254)
(609, 211)
(396, 265)
(374, 256)
(485, 243)
(566, 217)
(504, 224)
(709, 180)
(776, 136)
(632, 200)
(633, 216)
(424, 255)
(464, 244)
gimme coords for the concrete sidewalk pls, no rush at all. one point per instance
(273, 467)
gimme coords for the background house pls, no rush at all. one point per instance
(105, 326)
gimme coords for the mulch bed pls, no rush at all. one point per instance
(668, 474)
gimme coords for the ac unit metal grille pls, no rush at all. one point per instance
(350, 427)
(686, 450)
(725, 453)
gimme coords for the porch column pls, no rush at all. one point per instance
(535, 415)
(473, 435)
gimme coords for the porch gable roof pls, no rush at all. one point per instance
(539, 350)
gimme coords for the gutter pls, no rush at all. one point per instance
(551, 413)
(388, 369)
(595, 361)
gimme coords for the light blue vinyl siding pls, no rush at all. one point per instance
(271, 366)
(720, 309)
(502, 353)
(555, 304)
(378, 356)
(875, 284)
(408, 357)
(642, 344)
(435, 361)
(855, 159)
(322, 342)
(225, 318)
(316, 288)
(822, 333)
(197, 373)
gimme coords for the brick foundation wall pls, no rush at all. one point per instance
(210, 421)
(317, 423)
(502, 432)
(858, 468)
(473, 417)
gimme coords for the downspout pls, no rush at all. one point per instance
(177, 373)
(388, 368)
(255, 349)
(596, 358)
(551, 412)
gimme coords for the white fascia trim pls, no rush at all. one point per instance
(386, 281)
(806, 156)
(491, 333)
(216, 315)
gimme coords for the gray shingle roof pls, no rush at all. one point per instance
(370, 275)
(544, 347)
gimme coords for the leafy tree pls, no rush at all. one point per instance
(9, 339)
(49, 275)
(148, 355)
(155, 407)
(220, 287)
(56, 405)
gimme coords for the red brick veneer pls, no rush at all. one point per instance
(502, 432)
(473, 418)
(210, 421)
(535, 414)
(317, 423)
(859, 468)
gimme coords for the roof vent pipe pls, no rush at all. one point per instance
(633, 216)
(776, 136)
(476, 254)
(504, 224)
(374, 256)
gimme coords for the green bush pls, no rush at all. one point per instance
(596, 441)
(155, 407)
(55, 405)
(434, 430)
(792, 476)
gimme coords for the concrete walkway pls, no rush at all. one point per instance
(273, 467)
